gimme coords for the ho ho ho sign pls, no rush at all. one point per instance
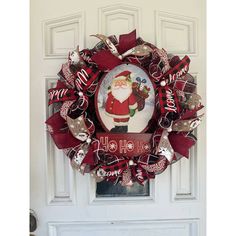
(127, 144)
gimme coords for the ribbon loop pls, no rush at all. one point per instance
(179, 70)
(112, 48)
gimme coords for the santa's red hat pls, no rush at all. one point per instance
(125, 73)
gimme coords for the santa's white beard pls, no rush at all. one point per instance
(121, 93)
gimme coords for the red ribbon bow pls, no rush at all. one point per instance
(105, 60)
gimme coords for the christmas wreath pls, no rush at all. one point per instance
(124, 110)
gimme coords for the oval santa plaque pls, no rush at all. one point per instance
(125, 100)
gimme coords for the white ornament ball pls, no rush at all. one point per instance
(80, 94)
(131, 162)
(88, 140)
(163, 83)
(169, 129)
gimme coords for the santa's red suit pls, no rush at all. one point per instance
(120, 111)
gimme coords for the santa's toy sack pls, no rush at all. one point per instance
(124, 110)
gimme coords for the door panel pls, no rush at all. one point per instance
(67, 202)
(134, 228)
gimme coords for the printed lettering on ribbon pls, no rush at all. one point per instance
(85, 77)
(132, 144)
(66, 73)
(168, 100)
(60, 95)
(177, 71)
(112, 170)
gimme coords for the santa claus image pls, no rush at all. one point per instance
(121, 103)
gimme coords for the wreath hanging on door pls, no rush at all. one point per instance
(124, 110)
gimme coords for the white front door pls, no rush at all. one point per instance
(69, 204)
